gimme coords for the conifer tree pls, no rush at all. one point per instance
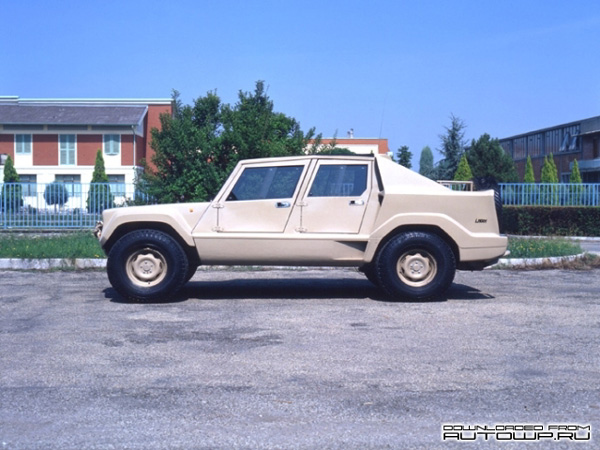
(463, 172)
(529, 176)
(426, 162)
(12, 192)
(99, 196)
(575, 174)
(549, 172)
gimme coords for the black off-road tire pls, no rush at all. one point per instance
(370, 273)
(192, 268)
(147, 265)
(415, 266)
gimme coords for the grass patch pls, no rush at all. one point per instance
(41, 246)
(542, 248)
(586, 262)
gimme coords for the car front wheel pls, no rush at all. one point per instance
(415, 265)
(147, 265)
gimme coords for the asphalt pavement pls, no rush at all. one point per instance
(295, 359)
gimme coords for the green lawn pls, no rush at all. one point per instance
(39, 246)
(541, 248)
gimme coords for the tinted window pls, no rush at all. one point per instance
(339, 180)
(262, 183)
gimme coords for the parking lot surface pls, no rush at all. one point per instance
(293, 359)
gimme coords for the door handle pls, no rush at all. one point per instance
(357, 202)
(282, 205)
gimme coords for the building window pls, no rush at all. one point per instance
(29, 186)
(67, 149)
(23, 144)
(117, 185)
(112, 144)
(72, 183)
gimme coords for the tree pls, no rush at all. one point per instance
(404, 156)
(576, 190)
(575, 174)
(318, 148)
(56, 193)
(12, 192)
(198, 146)
(463, 172)
(453, 146)
(549, 172)
(426, 162)
(529, 176)
(99, 196)
(549, 175)
(488, 159)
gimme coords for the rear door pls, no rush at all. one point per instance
(336, 200)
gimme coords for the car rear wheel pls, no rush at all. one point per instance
(147, 265)
(415, 265)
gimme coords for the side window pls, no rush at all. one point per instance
(261, 183)
(339, 180)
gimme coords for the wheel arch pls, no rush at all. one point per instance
(128, 227)
(432, 229)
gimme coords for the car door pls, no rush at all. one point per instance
(260, 200)
(337, 197)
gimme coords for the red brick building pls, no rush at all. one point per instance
(57, 139)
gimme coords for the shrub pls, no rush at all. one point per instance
(56, 194)
(551, 221)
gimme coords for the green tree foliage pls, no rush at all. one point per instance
(488, 159)
(426, 162)
(529, 176)
(318, 148)
(463, 172)
(10, 173)
(198, 146)
(11, 198)
(549, 172)
(575, 174)
(453, 146)
(99, 196)
(56, 194)
(549, 175)
(575, 190)
(404, 156)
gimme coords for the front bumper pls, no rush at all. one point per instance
(98, 229)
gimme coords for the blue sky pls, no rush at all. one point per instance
(391, 69)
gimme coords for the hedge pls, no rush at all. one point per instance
(551, 220)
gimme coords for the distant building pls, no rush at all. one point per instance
(576, 140)
(57, 140)
(361, 146)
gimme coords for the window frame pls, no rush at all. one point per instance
(113, 140)
(341, 193)
(270, 176)
(116, 183)
(28, 184)
(73, 185)
(21, 146)
(70, 158)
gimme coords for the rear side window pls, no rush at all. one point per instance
(261, 183)
(339, 180)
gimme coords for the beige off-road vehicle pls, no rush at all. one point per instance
(408, 234)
